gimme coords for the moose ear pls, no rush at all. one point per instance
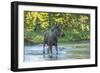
(61, 26)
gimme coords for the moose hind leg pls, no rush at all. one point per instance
(44, 48)
(50, 51)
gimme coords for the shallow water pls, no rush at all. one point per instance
(65, 51)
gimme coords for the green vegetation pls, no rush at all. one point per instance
(79, 51)
(80, 46)
(76, 26)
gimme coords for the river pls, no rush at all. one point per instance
(65, 51)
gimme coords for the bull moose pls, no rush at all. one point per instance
(51, 38)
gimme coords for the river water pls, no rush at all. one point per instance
(65, 51)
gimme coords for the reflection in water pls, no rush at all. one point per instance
(50, 57)
(69, 51)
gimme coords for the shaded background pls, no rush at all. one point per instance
(75, 26)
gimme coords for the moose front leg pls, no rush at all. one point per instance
(50, 51)
(56, 46)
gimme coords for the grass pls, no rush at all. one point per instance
(34, 37)
(37, 37)
(79, 53)
(81, 46)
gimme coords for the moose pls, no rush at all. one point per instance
(51, 38)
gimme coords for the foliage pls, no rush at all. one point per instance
(76, 26)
